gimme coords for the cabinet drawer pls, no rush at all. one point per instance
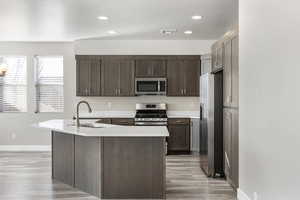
(123, 121)
(104, 121)
(179, 121)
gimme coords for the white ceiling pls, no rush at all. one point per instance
(68, 20)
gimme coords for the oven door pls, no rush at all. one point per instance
(149, 86)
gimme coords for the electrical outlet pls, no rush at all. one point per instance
(255, 196)
(13, 136)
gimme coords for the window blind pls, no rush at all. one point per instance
(49, 84)
(13, 86)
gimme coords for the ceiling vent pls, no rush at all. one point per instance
(168, 31)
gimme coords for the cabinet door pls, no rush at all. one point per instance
(217, 57)
(227, 131)
(150, 68)
(143, 68)
(175, 77)
(214, 59)
(126, 71)
(83, 77)
(235, 149)
(110, 77)
(231, 146)
(63, 157)
(191, 77)
(235, 72)
(95, 78)
(159, 68)
(88, 79)
(220, 56)
(179, 139)
(227, 74)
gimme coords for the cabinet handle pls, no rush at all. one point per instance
(181, 91)
(86, 92)
(116, 91)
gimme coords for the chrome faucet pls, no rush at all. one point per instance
(78, 104)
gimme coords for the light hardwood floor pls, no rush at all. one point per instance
(27, 176)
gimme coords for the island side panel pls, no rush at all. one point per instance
(159, 168)
(63, 157)
(133, 167)
(88, 164)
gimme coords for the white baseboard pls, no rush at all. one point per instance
(241, 195)
(25, 148)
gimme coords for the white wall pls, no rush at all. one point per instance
(269, 99)
(142, 47)
(19, 124)
(15, 128)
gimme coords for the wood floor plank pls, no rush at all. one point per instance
(27, 176)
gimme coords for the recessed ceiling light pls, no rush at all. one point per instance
(112, 32)
(196, 17)
(103, 17)
(188, 32)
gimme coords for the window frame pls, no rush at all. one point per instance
(23, 85)
(37, 85)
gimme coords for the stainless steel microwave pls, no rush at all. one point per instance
(150, 86)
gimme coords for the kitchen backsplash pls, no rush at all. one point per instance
(128, 103)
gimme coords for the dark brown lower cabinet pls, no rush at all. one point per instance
(63, 157)
(231, 146)
(111, 167)
(123, 121)
(104, 121)
(179, 139)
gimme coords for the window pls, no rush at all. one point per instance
(49, 84)
(13, 86)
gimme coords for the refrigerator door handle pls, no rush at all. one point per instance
(201, 112)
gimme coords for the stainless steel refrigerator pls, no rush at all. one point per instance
(211, 124)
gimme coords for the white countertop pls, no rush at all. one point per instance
(108, 114)
(184, 114)
(131, 114)
(103, 130)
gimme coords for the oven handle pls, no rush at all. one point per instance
(151, 123)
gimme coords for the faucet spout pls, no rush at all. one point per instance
(77, 110)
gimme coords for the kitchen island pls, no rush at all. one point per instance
(108, 161)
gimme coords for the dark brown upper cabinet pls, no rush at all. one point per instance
(150, 68)
(183, 77)
(88, 82)
(117, 77)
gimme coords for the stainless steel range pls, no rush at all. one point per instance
(151, 114)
